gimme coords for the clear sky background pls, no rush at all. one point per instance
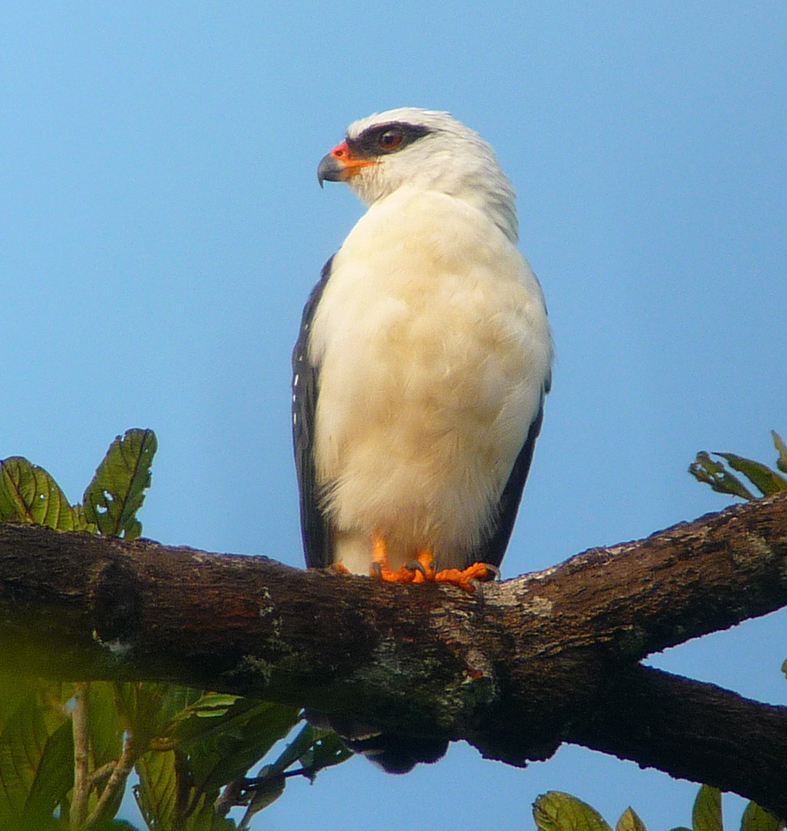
(161, 227)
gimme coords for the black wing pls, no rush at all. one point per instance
(305, 389)
(492, 549)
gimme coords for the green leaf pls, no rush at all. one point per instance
(23, 744)
(265, 794)
(706, 813)
(162, 776)
(54, 777)
(556, 811)
(223, 748)
(779, 444)
(117, 491)
(706, 470)
(209, 705)
(106, 728)
(51, 697)
(327, 750)
(29, 494)
(766, 481)
(205, 818)
(758, 819)
(296, 749)
(210, 740)
(157, 789)
(173, 701)
(313, 747)
(629, 821)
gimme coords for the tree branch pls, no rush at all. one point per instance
(693, 731)
(515, 670)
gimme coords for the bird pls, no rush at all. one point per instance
(422, 362)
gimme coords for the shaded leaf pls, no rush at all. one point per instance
(556, 811)
(156, 792)
(221, 749)
(106, 729)
(706, 812)
(174, 699)
(168, 800)
(50, 696)
(150, 708)
(296, 749)
(265, 794)
(29, 494)
(326, 750)
(140, 703)
(54, 777)
(23, 744)
(779, 444)
(706, 470)
(315, 749)
(117, 491)
(209, 705)
(758, 819)
(766, 481)
(205, 818)
(630, 821)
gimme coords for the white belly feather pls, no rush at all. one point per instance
(433, 347)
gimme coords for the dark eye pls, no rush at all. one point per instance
(390, 139)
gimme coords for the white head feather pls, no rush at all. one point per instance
(448, 157)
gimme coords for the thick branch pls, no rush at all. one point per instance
(515, 672)
(693, 731)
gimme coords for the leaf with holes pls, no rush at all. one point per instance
(326, 750)
(29, 494)
(117, 491)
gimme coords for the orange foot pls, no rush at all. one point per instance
(421, 570)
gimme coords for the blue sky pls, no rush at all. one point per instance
(161, 227)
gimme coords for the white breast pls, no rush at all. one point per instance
(433, 347)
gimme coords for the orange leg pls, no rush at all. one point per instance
(380, 567)
(421, 570)
(462, 578)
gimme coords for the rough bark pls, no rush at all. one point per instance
(515, 670)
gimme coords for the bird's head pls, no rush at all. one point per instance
(423, 150)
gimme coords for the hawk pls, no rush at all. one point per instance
(422, 362)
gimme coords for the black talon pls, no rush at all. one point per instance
(415, 565)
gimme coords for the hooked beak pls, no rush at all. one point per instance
(341, 164)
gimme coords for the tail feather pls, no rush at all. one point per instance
(393, 752)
